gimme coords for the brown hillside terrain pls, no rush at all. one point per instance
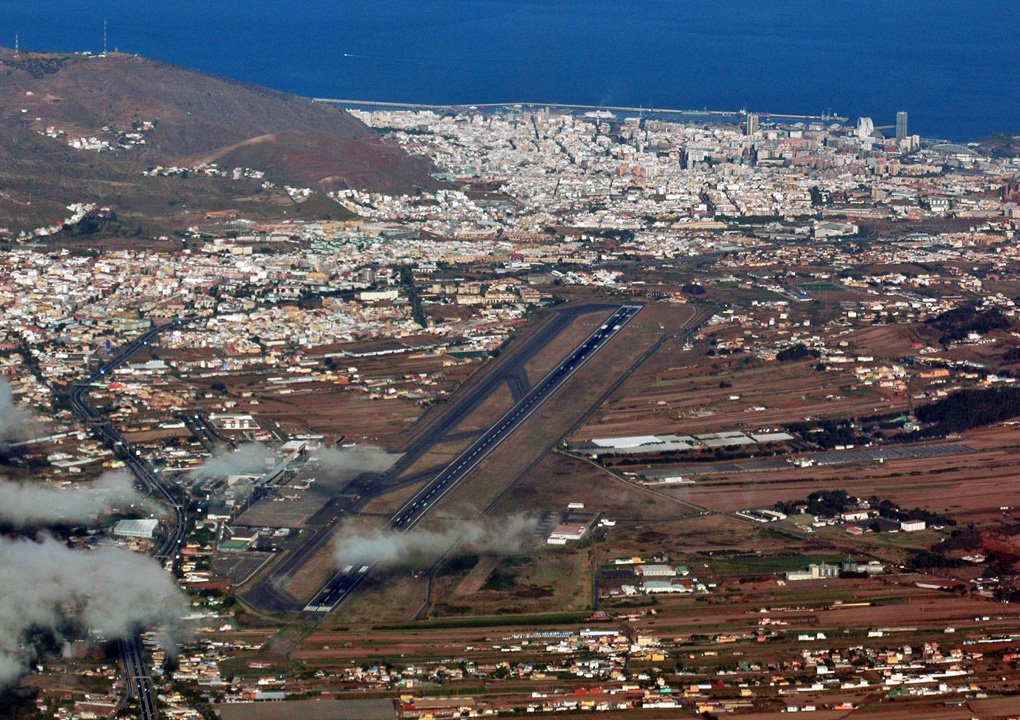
(196, 111)
(315, 159)
(39, 176)
(196, 115)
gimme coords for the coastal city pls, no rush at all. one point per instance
(635, 414)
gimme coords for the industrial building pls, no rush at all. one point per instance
(233, 421)
(814, 571)
(574, 525)
(140, 528)
(639, 444)
(656, 571)
(567, 532)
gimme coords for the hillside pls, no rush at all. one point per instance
(138, 114)
(313, 159)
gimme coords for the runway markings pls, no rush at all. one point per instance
(341, 585)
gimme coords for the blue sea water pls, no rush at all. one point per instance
(954, 65)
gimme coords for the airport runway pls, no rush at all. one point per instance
(348, 579)
(268, 593)
(510, 369)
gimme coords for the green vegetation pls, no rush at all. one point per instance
(407, 280)
(482, 621)
(832, 503)
(820, 287)
(821, 503)
(768, 564)
(828, 434)
(774, 533)
(238, 666)
(500, 581)
(1001, 145)
(957, 323)
(796, 352)
(889, 509)
(968, 409)
(445, 691)
(457, 565)
(929, 559)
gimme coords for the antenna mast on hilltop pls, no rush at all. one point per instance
(104, 36)
(15, 44)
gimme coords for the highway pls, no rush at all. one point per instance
(139, 680)
(338, 588)
(146, 474)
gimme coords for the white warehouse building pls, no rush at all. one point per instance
(141, 528)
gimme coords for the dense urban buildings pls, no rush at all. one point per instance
(628, 413)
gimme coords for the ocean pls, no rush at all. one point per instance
(953, 65)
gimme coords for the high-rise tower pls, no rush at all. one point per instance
(901, 125)
(751, 125)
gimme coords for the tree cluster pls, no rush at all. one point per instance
(959, 322)
(971, 408)
(796, 352)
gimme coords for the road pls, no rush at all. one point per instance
(139, 680)
(343, 584)
(148, 476)
(208, 434)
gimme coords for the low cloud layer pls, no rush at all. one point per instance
(32, 504)
(257, 458)
(16, 423)
(247, 459)
(348, 463)
(46, 585)
(504, 535)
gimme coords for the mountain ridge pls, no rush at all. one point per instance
(152, 114)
